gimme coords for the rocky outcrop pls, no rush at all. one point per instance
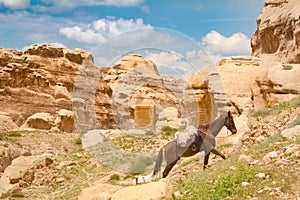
(41, 80)
(18, 174)
(278, 31)
(39, 121)
(58, 81)
(135, 84)
(6, 122)
(155, 190)
(100, 191)
(280, 83)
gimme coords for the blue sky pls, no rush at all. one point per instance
(223, 27)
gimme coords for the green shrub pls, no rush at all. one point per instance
(78, 141)
(287, 67)
(114, 177)
(167, 130)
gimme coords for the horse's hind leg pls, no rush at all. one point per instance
(168, 168)
(206, 160)
(215, 151)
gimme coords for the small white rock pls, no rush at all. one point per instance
(244, 184)
(261, 175)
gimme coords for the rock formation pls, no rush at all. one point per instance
(47, 87)
(278, 31)
(140, 93)
(38, 80)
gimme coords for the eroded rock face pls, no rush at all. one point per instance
(40, 80)
(6, 122)
(135, 83)
(278, 31)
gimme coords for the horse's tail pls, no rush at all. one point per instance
(158, 161)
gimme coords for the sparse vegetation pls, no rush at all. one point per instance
(275, 109)
(169, 131)
(295, 122)
(114, 177)
(287, 67)
(224, 179)
(140, 164)
(78, 141)
(11, 137)
(221, 181)
(258, 151)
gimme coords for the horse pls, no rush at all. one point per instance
(204, 140)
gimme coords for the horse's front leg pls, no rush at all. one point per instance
(206, 157)
(215, 151)
(168, 168)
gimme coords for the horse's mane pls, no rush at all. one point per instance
(203, 128)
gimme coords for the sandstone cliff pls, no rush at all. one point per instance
(278, 31)
(39, 80)
(47, 87)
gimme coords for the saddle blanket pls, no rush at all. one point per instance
(186, 138)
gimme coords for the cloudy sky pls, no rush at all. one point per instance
(222, 27)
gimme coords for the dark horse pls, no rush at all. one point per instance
(204, 140)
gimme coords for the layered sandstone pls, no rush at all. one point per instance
(47, 87)
(38, 80)
(140, 94)
(278, 31)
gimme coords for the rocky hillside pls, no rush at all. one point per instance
(263, 165)
(278, 31)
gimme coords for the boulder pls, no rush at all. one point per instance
(99, 191)
(39, 121)
(290, 133)
(65, 121)
(150, 191)
(280, 83)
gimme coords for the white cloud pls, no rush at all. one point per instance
(236, 44)
(102, 29)
(60, 5)
(15, 4)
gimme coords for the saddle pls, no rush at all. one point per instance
(187, 138)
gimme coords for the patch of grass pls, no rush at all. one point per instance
(218, 182)
(259, 150)
(261, 112)
(9, 195)
(295, 122)
(224, 146)
(223, 180)
(169, 131)
(287, 67)
(10, 136)
(187, 162)
(297, 140)
(275, 109)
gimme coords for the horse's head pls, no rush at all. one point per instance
(229, 123)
